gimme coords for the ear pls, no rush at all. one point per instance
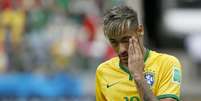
(140, 30)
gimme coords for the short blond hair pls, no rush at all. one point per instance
(119, 20)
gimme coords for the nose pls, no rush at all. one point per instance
(122, 49)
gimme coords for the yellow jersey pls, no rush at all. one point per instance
(162, 73)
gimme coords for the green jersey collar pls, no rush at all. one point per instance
(146, 55)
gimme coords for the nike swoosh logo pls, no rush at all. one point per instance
(116, 82)
(112, 84)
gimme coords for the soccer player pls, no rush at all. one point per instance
(138, 73)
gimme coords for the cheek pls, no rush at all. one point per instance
(116, 48)
(122, 46)
(125, 45)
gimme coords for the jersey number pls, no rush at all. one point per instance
(132, 98)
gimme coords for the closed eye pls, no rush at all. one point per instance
(125, 41)
(112, 41)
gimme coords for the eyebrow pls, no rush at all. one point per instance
(112, 39)
(126, 37)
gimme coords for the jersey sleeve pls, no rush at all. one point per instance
(99, 94)
(170, 80)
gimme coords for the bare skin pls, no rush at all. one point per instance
(129, 46)
(136, 67)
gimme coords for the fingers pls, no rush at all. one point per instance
(134, 47)
(131, 50)
(141, 46)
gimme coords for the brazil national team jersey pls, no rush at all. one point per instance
(162, 73)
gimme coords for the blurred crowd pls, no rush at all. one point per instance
(52, 35)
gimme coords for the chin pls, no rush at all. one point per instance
(124, 62)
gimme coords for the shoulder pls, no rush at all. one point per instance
(170, 58)
(164, 57)
(107, 64)
(167, 61)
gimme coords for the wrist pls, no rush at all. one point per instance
(138, 76)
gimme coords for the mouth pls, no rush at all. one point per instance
(124, 61)
(123, 57)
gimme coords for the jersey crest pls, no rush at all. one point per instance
(149, 77)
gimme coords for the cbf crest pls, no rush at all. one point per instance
(149, 77)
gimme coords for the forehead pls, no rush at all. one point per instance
(121, 36)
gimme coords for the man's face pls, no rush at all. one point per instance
(120, 44)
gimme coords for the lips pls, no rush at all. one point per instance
(124, 56)
(124, 60)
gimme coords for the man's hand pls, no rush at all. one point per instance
(135, 59)
(136, 67)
